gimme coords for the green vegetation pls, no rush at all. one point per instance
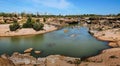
(14, 26)
(38, 26)
(35, 25)
(8, 14)
(44, 20)
(23, 14)
(28, 24)
(118, 14)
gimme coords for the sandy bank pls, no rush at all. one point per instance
(4, 30)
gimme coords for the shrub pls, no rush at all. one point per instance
(14, 26)
(38, 26)
(38, 20)
(28, 24)
(31, 24)
(44, 19)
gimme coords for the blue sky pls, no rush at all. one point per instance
(61, 6)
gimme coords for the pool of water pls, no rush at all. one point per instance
(74, 41)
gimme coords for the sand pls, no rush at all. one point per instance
(5, 31)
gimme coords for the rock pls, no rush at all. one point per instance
(112, 35)
(22, 59)
(113, 44)
(73, 35)
(27, 54)
(41, 61)
(6, 62)
(16, 53)
(58, 60)
(52, 60)
(37, 52)
(92, 31)
(109, 57)
(65, 31)
(118, 43)
(28, 50)
(5, 56)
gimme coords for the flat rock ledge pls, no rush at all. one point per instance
(111, 35)
(109, 57)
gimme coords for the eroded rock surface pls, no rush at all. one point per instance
(109, 57)
(108, 35)
(111, 35)
(26, 59)
(4, 61)
(18, 58)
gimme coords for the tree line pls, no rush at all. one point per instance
(23, 14)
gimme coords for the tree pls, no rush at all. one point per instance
(23, 14)
(118, 14)
(38, 20)
(44, 19)
(14, 26)
(38, 26)
(29, 23)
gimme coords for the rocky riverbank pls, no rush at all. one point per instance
(111, 35)
(101, 30)
(108, 57)
(26, 59)
(5, 31)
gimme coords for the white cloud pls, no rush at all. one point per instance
(60, 4)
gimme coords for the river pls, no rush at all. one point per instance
(74, 41)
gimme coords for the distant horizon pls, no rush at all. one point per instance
(55, 14)
(63, 7)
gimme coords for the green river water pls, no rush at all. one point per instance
(75, 42)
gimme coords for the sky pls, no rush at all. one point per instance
(61, 6)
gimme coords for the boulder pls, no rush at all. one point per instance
(29, 50)
(37, 52)
(73, 35)
(113, 44)
(65, 31)
(18, 59)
